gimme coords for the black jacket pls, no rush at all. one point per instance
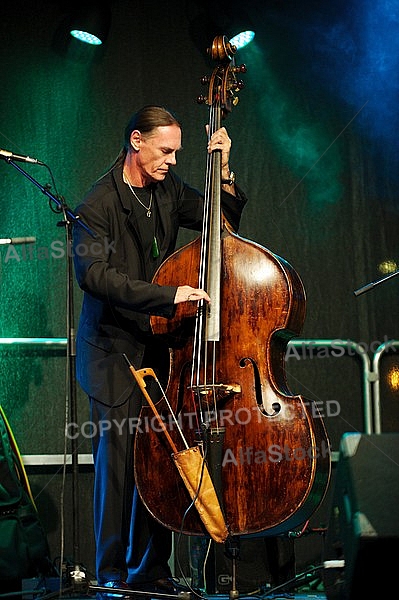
(116, 278)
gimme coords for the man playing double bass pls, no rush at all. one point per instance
(136, 210)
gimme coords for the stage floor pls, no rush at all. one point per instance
(269, 596)
(33, 589)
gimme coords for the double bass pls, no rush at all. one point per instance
(266, 448)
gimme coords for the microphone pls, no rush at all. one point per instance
(11, 156)
(18, 240)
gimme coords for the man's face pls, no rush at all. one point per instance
(157, 152)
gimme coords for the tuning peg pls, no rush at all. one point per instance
(239, 85)
(241, 69)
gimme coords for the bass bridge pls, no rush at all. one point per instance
(219, 392)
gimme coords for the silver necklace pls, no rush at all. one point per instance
(147, 208)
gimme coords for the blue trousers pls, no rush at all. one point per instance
(130, 544)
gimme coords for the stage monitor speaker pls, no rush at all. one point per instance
(262, 563)
(363, 529)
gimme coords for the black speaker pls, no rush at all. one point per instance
(363, 530)
(261, 563)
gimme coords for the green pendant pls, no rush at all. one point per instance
(154, 248)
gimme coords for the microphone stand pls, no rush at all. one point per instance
(369, 286)
(77, 574)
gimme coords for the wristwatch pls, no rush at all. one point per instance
(231, 179)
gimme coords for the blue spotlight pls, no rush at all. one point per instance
(86, 37)
(242, 39)
(91, 22)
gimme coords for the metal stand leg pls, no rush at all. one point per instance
(233, 551)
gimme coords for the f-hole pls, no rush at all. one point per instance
(276, 406)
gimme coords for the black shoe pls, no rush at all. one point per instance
(118, 584)
(164, 585)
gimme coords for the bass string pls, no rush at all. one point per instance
(204, 351)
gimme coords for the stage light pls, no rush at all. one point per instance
(242, 39)
(214, 18)
(90, 22)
